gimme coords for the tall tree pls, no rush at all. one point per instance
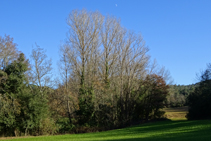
(13, 82)
(132, 63)
(84, 42)
(67, 96)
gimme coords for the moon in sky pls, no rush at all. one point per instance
(116, 5)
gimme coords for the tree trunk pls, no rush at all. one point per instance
(26, 131)
(69, 115)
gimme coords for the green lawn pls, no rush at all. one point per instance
(158, 131)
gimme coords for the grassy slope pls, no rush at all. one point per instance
(158, 131)
(174, 130)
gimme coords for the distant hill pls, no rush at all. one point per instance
(178, 94)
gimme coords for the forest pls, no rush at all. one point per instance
(107, 80)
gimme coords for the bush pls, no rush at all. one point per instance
(65, 126)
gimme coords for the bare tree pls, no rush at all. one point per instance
(40, 68)
(110, 38)
(68, 97)
(8, 51)
(131, 68)
(84, 43)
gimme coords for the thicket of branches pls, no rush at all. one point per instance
(105, 81)
(106, 68)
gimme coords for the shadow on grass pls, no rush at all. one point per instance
(159, 131)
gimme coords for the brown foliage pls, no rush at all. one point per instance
(155, 89)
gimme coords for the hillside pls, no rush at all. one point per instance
(178, 94)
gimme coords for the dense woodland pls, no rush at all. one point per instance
(106, 81)
(178, 94)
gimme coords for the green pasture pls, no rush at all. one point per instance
(170, 130)
(158, 131)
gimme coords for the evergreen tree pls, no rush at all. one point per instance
(199, 100)
(20, 108)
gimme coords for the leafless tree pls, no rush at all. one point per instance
(84, 43)
(67, 94)
(110, 38)
(8, 51)
(132, 63)
(41, 68)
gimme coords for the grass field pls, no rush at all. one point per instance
(177, 113)
(172, 130)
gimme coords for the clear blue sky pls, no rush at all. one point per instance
(178, 32)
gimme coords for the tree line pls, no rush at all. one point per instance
(106, 81)
(178, 94)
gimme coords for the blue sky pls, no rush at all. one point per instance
(177, 32)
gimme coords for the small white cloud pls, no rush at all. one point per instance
(116, 5)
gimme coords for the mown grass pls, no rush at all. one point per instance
(171, 130)
(158, 131)
(177, 113)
